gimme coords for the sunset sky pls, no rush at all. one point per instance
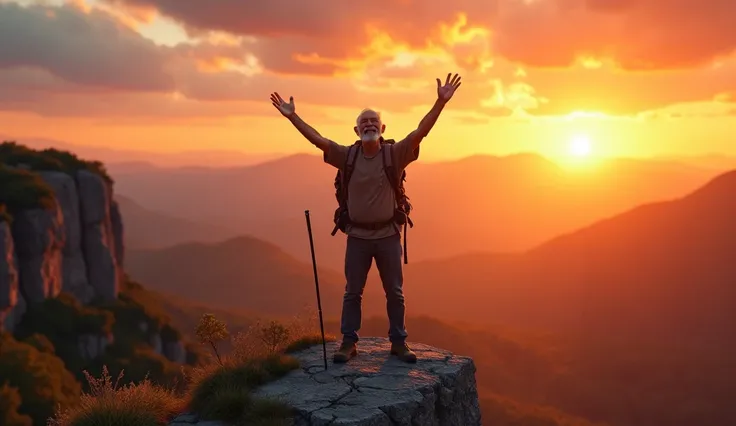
(634, 77)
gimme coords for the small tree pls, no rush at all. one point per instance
(211, 330)
(274, 335)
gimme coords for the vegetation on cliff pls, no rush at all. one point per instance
(44, 365)
(217, 389)
(21, 189)
(35, 380)
(17, 155)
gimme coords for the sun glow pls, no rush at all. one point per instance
(579, 146)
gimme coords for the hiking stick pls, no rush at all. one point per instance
(316, 284)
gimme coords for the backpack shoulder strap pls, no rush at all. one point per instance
(350, 158)
(389, 168)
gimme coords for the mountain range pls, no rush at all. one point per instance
(480, 203)
(147, 229)
(633, 313)
(661, 264)
(241, 273)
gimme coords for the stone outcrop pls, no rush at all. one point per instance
(74, 267)
(12, 303)
(98, 239)
(91, 346)
(76, 246)
(175, 351)
(38, 236)
(375, 389)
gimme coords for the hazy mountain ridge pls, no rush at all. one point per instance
(150, 229)
(479, 203)
(240, 273)
(115, 157)
(617, 268)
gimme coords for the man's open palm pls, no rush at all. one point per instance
(444, 93)
(286, 109)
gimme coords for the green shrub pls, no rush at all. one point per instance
(62, 320)
(22, 190)
(40, 342)
(224, 392)
(40, 378)
(138, 316)
(10, 402)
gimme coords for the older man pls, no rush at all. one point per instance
(371, 204)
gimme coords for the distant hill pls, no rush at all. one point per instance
(663, 267)
(479, 203)
(130, 160)
(242, 273)
(528, 377)
(145, 228)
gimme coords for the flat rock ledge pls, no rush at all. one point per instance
(376, 389)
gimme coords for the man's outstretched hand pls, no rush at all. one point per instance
(444, 93)
(286, 109)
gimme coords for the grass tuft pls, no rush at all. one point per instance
(306, 342)
(108, 404)
(224, 392)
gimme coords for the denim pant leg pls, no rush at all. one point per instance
(388, 262)
(358, 261)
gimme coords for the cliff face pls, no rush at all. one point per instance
(74, 246)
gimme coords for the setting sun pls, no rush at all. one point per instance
(579, 146)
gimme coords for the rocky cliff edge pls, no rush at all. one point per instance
(60, 231)
(375, 389)
(73, 243)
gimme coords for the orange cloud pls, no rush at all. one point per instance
(636, 34)
(335, 53)
(89, 48)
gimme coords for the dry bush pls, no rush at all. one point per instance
(108, 403)
(211, 330)
(266, 337)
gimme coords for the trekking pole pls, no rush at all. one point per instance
(316, 284)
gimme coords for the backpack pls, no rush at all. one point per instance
(342, 180)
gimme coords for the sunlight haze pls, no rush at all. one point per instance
(200, 83)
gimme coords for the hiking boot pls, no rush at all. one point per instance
(402, 351)
(347, 351)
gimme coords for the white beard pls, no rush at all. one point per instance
(371, 136)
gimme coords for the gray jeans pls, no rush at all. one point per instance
(359, 255)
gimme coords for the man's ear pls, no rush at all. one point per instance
(356, 130)
(383, 128)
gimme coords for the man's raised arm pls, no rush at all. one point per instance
(288, 110)
(444, 94)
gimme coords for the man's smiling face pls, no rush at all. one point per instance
(369, 127)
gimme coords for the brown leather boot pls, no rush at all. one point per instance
(347, 351)
(402, 351)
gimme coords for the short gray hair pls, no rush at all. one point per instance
(357, 119)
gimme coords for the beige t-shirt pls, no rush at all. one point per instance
(370, 196)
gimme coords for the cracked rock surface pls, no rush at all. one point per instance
(377, 389)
